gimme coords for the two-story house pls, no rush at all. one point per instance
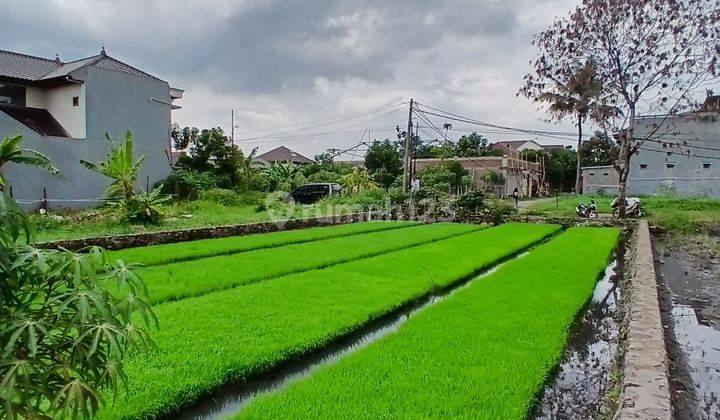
(64, 109)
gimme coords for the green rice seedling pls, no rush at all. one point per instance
(196, 277)
(483, 352)
(183, 251)
(208, 341)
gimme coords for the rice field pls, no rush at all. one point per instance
(231, 310)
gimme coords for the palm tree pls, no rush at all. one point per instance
(358, 179)
(281, 174)
(580, 96)
(119, 166)
(10, 151)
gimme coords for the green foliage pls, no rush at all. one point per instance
(444, 177)
(484, 352)
(358, 180)
(119, 167)
(143, 207)
(561, 169)
(384, 162)
(470, 145)
(271, 320)
(496, 209)
(186, 184)
(10, 151)
(598, 150)
(64, 336)
(492, 177)
(184, 251)
(472, 202)
(281, 175)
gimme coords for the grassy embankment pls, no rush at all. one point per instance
(681, 215)
(485, 352)
(184, 215)
(207, 341)
(203, 275)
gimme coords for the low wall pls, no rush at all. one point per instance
(156, 238)
(645, 386)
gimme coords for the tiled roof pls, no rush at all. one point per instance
(27, 67)
(283, 154)
(21, 66)
(38, 120)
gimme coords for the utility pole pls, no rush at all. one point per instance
(232, 127)
(406, 160)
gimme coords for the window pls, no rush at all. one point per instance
(605, 174)
(706, 165)
(592, 174)
(643, 166)
(12, 95)
(670, 165)
(76, 100)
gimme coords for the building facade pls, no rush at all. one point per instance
(599, 180)
(681, 157)
(64, 110)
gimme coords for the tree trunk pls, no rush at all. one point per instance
(577, 172)
(624, 162)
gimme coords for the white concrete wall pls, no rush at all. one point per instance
(34, 97)
(59, 101)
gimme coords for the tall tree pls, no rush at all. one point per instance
(577, 93)
(471, 145)
(384, 161)
(651, 56)
(598, 150)
(10, 151)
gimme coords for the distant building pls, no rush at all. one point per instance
(599, 180)
(516, 173)
(281, 155)
(512, 147)
(683, 157)
(64, 109)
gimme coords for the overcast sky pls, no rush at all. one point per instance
(278, 63)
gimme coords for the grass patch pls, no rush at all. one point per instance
(183, 251)
(485, 352)
(207, 341)
(183, 215)
(195, 277)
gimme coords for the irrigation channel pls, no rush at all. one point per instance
(584, 372)
(693, 336)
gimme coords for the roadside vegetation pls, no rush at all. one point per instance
(682, 215)
(483, 352)
(210, 340)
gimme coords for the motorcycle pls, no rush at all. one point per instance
(589, 211)
(633, 207)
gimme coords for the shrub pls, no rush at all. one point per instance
(470, 203)
(143, 207)
(495, 210)
(222, 196)
(64, 335)
(186, 184)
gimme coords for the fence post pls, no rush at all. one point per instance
(11, 192)
(45, 202)
(147, 183)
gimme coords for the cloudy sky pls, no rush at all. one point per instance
(284, 63)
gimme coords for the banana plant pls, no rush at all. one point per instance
(120, 167)
(10, 151)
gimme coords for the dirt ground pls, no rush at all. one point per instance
(689, 271)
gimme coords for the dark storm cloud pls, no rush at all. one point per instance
(265, 47)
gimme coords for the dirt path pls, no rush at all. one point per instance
(526, 204)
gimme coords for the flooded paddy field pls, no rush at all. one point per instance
(689, 271)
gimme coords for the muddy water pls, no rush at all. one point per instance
(583, 378)
(691, 286)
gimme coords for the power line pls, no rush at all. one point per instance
(326, 121)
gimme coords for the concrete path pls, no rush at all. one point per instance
(646, 392)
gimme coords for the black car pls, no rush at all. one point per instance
(311, 193)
